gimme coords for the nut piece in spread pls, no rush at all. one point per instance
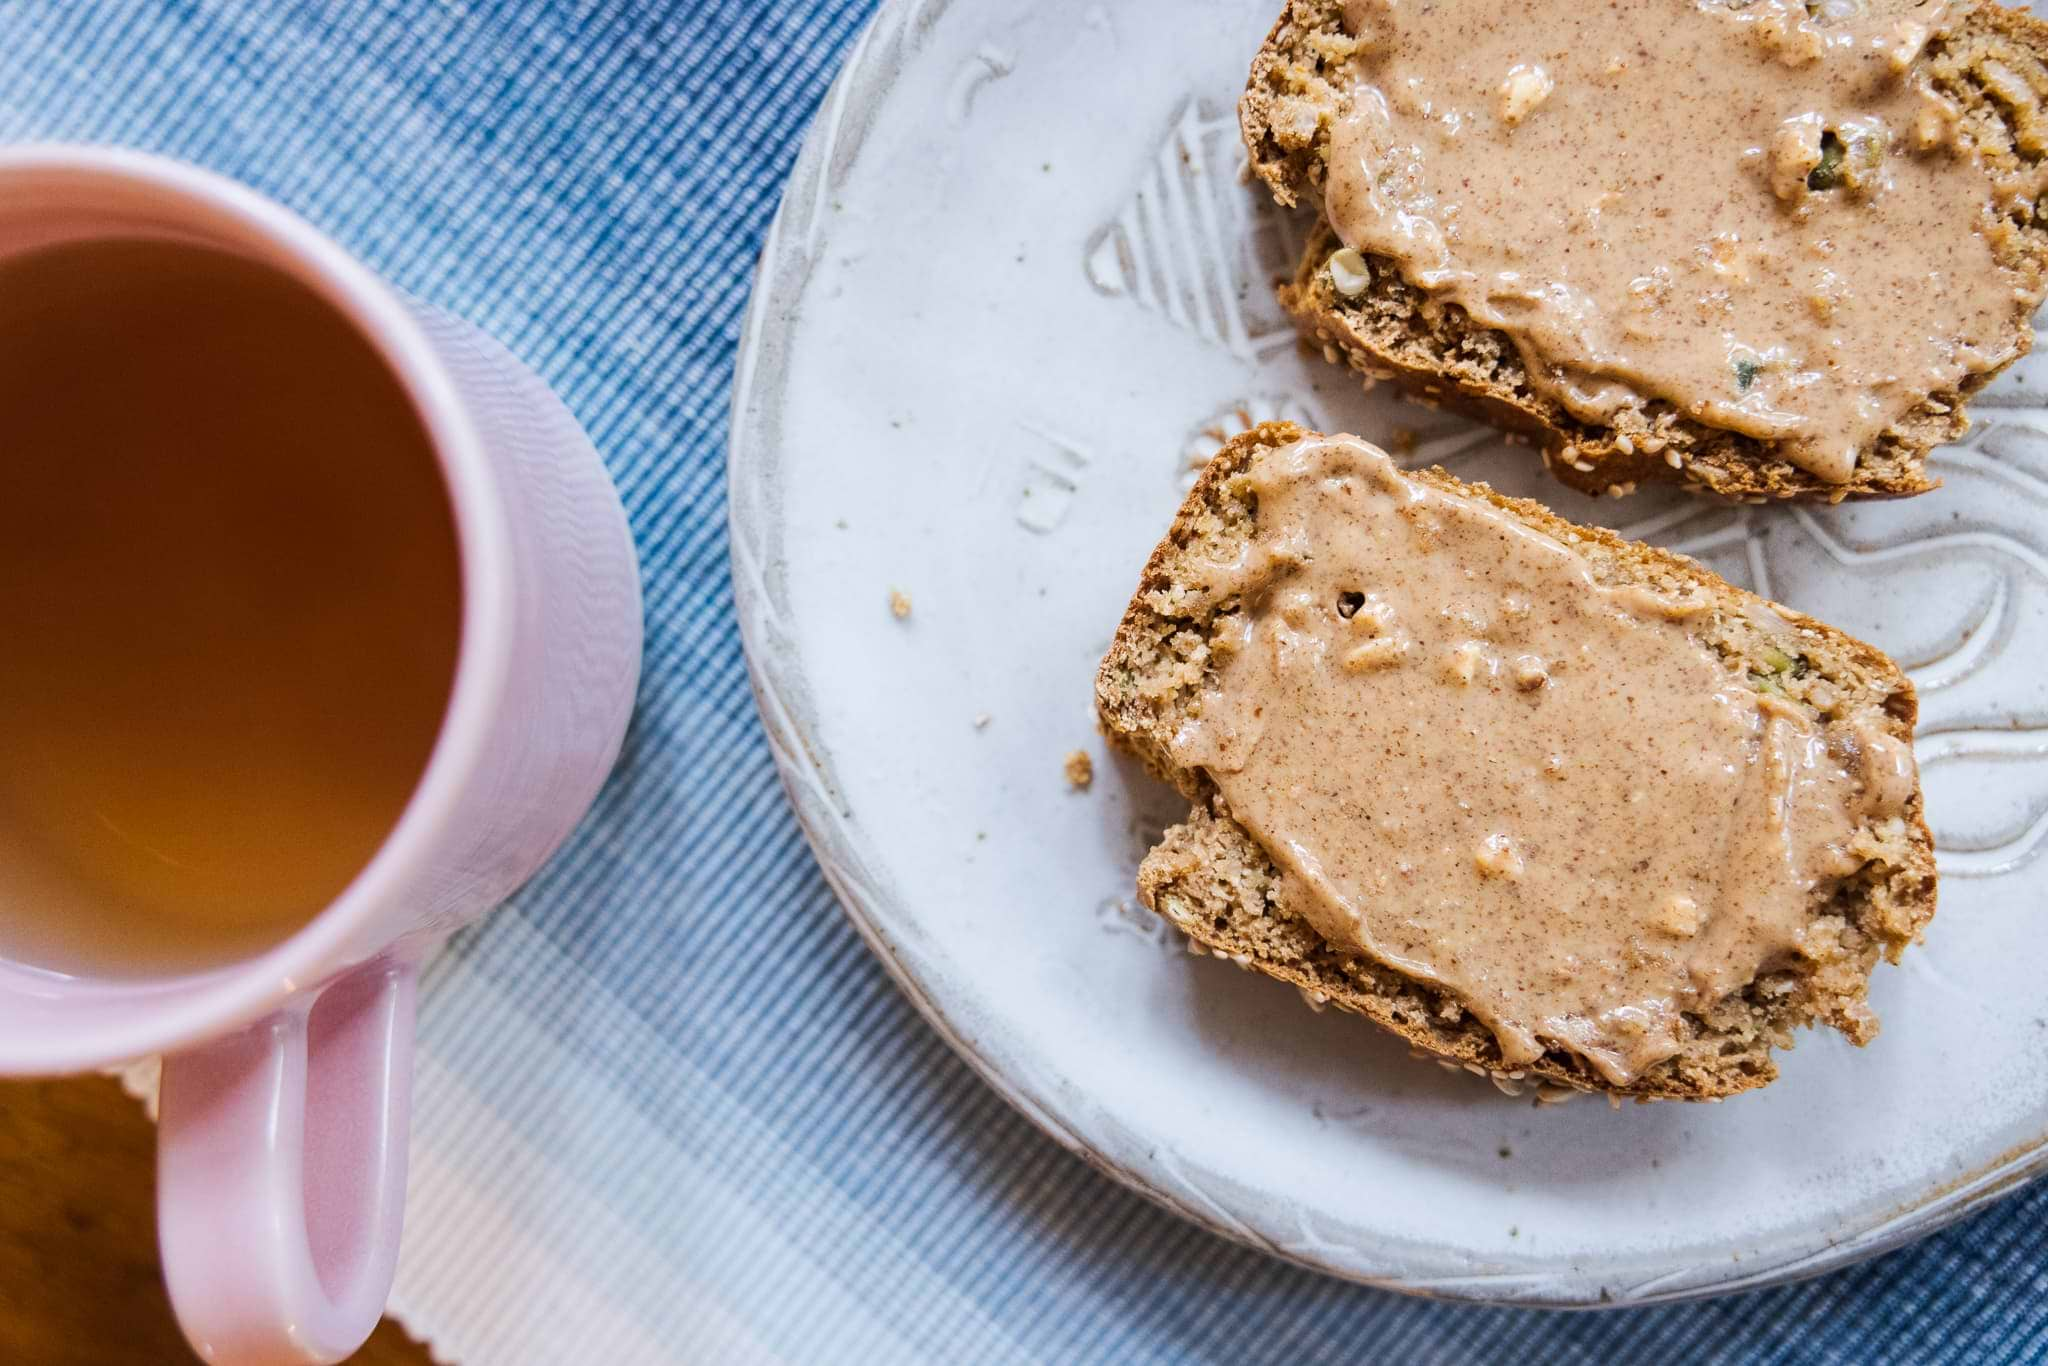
(1760, 215)
(1550, 797)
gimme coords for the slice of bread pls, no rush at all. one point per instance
(1211, 879)
(1993, 63)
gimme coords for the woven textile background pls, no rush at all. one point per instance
(669, 1110)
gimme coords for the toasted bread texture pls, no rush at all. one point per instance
(1211, 879)
(1993, 63)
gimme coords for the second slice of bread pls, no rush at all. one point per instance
(1211, 879)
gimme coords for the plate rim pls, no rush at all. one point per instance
(782, 694)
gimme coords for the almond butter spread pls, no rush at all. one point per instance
(1759, 211)
(1477, 764)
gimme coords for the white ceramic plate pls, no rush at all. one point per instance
(1017, 285)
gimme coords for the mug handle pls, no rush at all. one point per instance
(281, 1159)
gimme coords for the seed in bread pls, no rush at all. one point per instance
(1600, 818)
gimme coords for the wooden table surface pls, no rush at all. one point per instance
(79, 1280)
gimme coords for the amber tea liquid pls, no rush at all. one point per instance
(230, 604)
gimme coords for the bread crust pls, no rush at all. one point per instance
(1212, 881)
(1298, 88)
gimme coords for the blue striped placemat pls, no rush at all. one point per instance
(669, 1109)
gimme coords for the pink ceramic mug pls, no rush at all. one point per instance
(281, 1174)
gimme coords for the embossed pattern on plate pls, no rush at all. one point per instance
(1016, 294)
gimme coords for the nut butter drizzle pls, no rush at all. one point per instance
(1760, 211)
(1476, 764)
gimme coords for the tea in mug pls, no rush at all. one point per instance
(230, 605)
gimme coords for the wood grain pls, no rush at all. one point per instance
(79, 1280)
